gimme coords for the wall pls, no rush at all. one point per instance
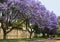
(15, 34)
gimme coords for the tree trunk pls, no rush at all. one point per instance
(30, 35)
(43, 34)
(4, 30)
(4, 34)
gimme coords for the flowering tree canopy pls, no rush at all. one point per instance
(17, 10)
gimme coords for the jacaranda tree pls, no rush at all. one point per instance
(11, 11)
(29, 12)
(53, 26)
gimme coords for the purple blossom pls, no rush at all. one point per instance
(32, 9)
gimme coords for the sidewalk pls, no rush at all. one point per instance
(48, 40)
(43, 41)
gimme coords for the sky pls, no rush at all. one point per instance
(52, 5)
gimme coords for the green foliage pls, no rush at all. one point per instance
(37, 31)
(2, 1)
(31, 26)
(17, 25)
(58, 27)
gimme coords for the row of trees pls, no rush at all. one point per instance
(16, 13)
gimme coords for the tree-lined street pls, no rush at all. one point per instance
(31, 15)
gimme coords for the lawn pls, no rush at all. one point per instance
(11, 40)
(29, 40)
(21, 40)
(17, 40)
